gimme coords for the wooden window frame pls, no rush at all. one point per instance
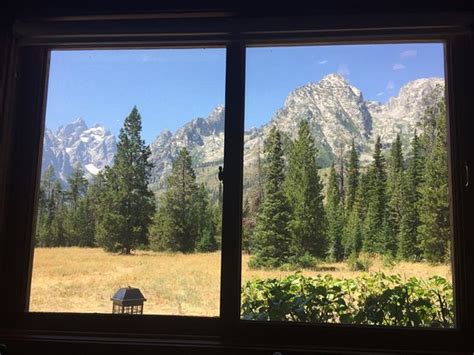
(23, 107)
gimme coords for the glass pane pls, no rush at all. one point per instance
(346, 202)
(129, 213)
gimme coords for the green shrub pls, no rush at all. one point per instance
(359, 263)
(263, 263)
(292, 263)
(305, 261)
(374, 299)
(389, 261)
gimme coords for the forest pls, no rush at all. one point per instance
(396, 206)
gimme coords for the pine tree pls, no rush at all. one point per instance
(352, 180)
(352, 233)
(272, 235)
(94, 195)
(341, 175)
(127, 204)
(353, 228)
(394, 196)
(408, 248)
(78, 222)
(217, 215)
(51, 231)
(48, 210)
(260, 179)
(77, 187)
(434, 229)
(248, 226)
(303, 189)
(58, 231)
(334, 212)
(375, 224)
(176, 223)
(206, 240)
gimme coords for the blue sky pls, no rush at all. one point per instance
(170, 87)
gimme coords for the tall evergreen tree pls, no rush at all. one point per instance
(48, 209)
(176, 223)
(77, 187)
(375, 224)
(260, 179)
(248, 226)
(394, 196)
(218, 215)
(434, 228)
(272, 235)
(58, 231)
(303, 189)
(353, 228)
(127, 203)
(352, 180)
(408, 247)
(206, 240)
(334, 212)
(78, 222)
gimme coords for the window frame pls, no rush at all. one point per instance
(21, 148)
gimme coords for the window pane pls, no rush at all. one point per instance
(346, 202)
(129, 212)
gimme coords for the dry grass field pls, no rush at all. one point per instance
(84, 279)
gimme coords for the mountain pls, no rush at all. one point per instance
(337, 113)
(336, 110)
(203, 137)
(403, 113)
(76, 144)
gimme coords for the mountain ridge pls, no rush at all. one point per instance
(336, 110)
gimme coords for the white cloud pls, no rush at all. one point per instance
(343, 69)
(398, 66)
(408, 53)
(322, 62)
(380, 93)
(390, 86)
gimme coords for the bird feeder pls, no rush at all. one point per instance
(128, 300)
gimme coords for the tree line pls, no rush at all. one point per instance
(119, 212)
(397, 206)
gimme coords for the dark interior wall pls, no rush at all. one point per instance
(62, 10)
(233, 8)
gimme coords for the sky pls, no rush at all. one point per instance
(172, 86)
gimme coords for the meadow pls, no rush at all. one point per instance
(84, 279)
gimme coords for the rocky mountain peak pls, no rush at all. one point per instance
(402, 113)
(76, 144)
(336, 111)
(334, 79)
(71, 131)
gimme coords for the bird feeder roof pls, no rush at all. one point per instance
(128, 296)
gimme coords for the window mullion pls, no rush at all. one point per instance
(233, 177)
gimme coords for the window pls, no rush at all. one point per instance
(24, 134)
(346, 198)
(129, 131)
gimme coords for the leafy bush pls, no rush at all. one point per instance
(389, 261)
(264, 263)
(304, 261)
(361, 263)
(375, 299)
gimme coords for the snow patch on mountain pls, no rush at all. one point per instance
(75, 144)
